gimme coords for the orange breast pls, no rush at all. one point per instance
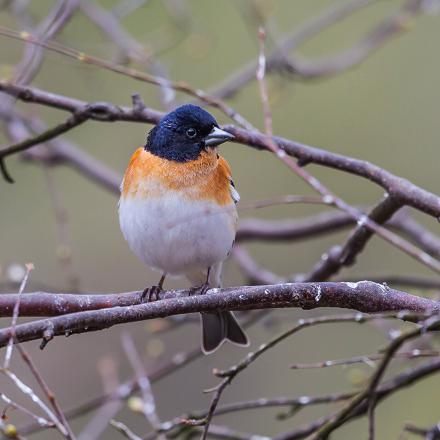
(207, 178)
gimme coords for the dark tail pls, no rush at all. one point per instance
(219, 327)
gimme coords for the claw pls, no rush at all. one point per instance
(153, 290)
(204, 289)
(199, 290)
(149, 292)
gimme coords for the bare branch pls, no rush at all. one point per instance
(48, 393)
(132, 73)
(304, 69)
(401, 380)
(432, 433)
(178, 361)
(364, 296)
(400, 189)
(367, 359)
(330, 222)
(15, 313)
(125, 430)
(369, 393)
(148, 401)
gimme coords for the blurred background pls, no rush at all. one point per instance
(385, 110)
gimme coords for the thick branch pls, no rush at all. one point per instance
(400, 189)
(363, 296)
(339, 256)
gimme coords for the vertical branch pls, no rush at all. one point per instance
(29, 268)
(49, 394)
(148, 401)
(260, 74)
(328, 196)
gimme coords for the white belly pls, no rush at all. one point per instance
(176, 235)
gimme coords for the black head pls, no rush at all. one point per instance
(184, 133)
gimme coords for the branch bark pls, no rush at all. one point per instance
(85, 313)
(402, 190)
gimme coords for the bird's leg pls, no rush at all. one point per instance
(201, 290)
(205, 287)
(147, 294)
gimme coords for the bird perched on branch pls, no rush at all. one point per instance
(177, 210)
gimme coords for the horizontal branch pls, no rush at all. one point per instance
(103, 111)
(72, 122)
(331, 222)
(400, 189)
(364, 296)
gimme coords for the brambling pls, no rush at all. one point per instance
(177, 210)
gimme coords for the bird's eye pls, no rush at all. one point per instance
(191, 133)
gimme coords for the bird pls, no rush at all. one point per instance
(177, 211)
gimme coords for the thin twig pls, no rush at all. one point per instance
(367, 359)
(400, 189)
(178, 361)
(48, 393)
(230, 374)
(125, 430)
(25, 389)
(40, 420)
(369, 392)
(15, 313)
(130, 72)
(384, 210)
(148, 401)
(431, 433)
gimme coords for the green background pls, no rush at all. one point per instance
(385, 110)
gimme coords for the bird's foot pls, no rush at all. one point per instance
(199, 290)
(149, 292)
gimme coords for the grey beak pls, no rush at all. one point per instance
(217, 136)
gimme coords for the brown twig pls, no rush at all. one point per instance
(130, 72)
(431, 433)
(178, 361)
(230, 374)
(367, 359)
(336, 257)
(369, 392)
(339, 256)
(295, 403)
(280, 61)
(48, 393)
(400, 189)
(125, 430)
(396, 383)
(381, 213)
(330, 222)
